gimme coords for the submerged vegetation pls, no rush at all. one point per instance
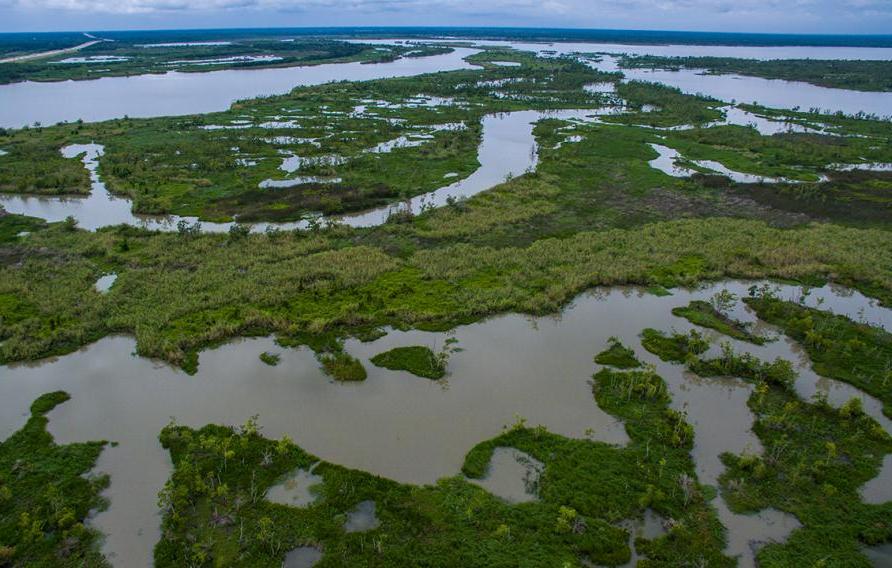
(46, 495)
(341, 366)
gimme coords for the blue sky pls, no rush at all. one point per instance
(792, 16)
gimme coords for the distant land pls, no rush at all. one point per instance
(25, 41)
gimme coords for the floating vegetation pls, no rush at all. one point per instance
(271, 359)
(418, 360)
(342, 366)
(675, 347)
(618, 355)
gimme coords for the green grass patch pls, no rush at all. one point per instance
(839, 348)
(675, 347)
(618, 355)
(704, 314)
(342, 366)
(419, 360)
(46, 495)
(271, 359)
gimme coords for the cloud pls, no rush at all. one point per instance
(720, 15)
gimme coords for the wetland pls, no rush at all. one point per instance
(477, 303)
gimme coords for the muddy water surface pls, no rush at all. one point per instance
(393, 424)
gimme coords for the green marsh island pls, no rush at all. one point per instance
(376, 297)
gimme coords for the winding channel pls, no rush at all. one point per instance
(395, 425)
(392, 424)
(508, 148)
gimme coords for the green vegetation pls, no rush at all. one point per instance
(676, 347)
(712, 315)
(271, 359)
(13, 225)
(46, 495)
(815, 459)
(354, 145)
(341, 366)
(859, 75)
(419, 360)
(593, 213)
(839, 348)
(215, 514)
(617, 355)
(746, 366)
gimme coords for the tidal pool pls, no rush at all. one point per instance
(392, 424)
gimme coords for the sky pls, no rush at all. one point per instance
(772, 16)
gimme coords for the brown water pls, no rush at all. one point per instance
(512, 475)
(393, 424)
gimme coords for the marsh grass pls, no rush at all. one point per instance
(617, 355)
(419, 360)
(839, 348)
(704, 314)
(343, 367)
(815, 459)
(46, 495)
(215, 514)
(676, 347)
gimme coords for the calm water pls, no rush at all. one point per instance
(395, 424)
(190, 93)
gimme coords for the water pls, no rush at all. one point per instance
(880, 556)
(767, 92)
(362, 518)
(296, 489)
(392, 424)
(879, 489)
(508, 148)
(302, 557)
(104, 283)
(512, 475)
(667, 162)
(176, 93)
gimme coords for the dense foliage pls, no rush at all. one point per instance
(46, 494)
